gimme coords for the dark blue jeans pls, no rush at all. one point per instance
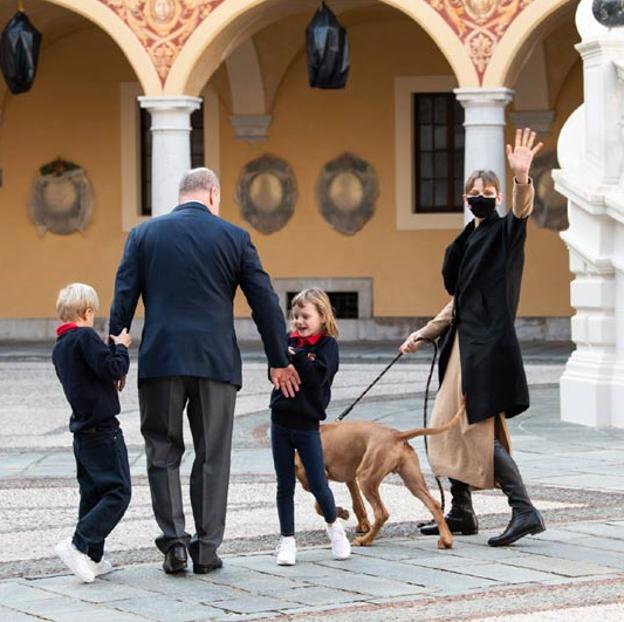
(308, 443)
(104, 478)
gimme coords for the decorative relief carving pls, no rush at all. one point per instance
(346, 190)
(479, 24)
(162, 26)
(266, 192)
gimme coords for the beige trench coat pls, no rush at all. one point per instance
(466, 452)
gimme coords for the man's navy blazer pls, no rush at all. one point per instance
(186, 266)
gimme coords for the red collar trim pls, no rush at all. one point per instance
(306, 341)
(63, 328)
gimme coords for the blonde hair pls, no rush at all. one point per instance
(320, 300)
(489, 178)
(73, 301)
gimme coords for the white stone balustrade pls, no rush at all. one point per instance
(591, 152)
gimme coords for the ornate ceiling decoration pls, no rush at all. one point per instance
(162, 26)
(479, 24)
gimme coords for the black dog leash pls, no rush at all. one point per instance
(347, 410)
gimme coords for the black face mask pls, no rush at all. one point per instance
(482, 207)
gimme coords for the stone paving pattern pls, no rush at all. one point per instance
(574, 571)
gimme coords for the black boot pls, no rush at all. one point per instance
(461, 518)
(525, 519)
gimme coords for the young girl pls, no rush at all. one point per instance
(295, 421)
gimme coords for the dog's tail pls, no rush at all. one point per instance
(407, 435)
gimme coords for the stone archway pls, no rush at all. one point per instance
(233, 21)
(105, 18)
(515, 44)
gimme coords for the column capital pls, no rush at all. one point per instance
(250, 127)
(182, 103)
(499, 96)
(539, 120)
(484, 107)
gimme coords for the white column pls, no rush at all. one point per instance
(171, 146)
(485, 132)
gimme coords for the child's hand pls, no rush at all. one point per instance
(123, 338)
(291, 351)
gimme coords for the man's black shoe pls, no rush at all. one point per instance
(466, 525)
(520, 525)
(206, 568)
(175, 559)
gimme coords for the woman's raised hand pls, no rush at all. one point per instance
(521, 155)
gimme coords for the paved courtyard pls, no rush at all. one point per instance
(573, 571)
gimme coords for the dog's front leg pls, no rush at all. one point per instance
(370, 488)
(359, 509)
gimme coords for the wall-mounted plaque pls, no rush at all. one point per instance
(266, 193)
(346, 191)
(61, 200)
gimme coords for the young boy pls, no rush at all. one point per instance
(90, 372)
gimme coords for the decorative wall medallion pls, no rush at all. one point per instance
(61, 199)
(479, 24)
(162, 26)
(551, 208)
(266, 192)
(346, 191)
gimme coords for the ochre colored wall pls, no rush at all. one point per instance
(311, 127)
(72, 112)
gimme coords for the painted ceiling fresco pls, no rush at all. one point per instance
(479, 24)
(163, 26)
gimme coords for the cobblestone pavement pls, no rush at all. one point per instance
(574, 571)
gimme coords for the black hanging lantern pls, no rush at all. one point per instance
(328, 51)
(19, 53)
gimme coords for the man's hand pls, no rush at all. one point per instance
(123, 338)
(522, 154)
(120, 384)
(286, 380)
(411, 344)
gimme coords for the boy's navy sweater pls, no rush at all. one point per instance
(307, 408)
(87, 369)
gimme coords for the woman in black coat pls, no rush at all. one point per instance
(480, 363)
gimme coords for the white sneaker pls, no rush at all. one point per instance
(101, 567)
(287, 551)
(79, 563)
(341, 547)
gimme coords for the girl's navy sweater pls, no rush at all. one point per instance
(317, 365)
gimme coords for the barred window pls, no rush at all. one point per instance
(438, 153)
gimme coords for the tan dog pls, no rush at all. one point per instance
(361, 454)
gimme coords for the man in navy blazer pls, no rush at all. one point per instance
(187, 266)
